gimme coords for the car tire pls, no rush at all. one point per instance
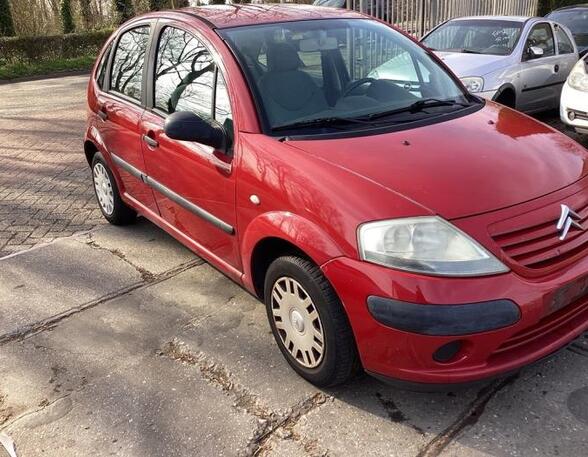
(302, 309)
(107, 194)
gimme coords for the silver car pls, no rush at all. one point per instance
(517, 61)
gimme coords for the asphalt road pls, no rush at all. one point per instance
(119, 341)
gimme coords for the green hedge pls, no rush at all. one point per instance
(47, 48)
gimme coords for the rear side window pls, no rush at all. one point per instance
(101, 75)
(564, 44)
(184, 75)
(129, 61)
(542, 37)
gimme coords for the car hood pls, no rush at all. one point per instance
(472, 64)
(488, 160)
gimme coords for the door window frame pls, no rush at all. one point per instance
(154, 54)
(554, 26)
(555, 50)
(107, 83)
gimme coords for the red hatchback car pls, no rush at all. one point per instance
(397, 224)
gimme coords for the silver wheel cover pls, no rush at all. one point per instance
(103, 188)
(297, 322)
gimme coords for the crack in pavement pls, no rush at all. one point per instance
(5, 413)
(50, 323)
(42, 407)
(269, 422)
(146, 275)
(467, 418)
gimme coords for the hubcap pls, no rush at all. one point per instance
(103, 188)
(297, 321)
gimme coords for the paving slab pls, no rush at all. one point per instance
(544, 413)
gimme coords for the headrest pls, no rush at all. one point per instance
(282, 57)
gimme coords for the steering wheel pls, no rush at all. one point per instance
(355, 84)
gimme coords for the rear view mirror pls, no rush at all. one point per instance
(318, 44)
(187, 126)
(535, 52)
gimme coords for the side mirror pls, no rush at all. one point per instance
(187, 126)
(535, 52)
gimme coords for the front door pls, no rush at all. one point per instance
(539, 75)
(194, 184)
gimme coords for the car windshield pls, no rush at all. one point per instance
(576, 20)
(476, 37)
(341, 74)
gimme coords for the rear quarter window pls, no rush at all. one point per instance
(101, 73)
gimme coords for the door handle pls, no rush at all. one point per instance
(102, 114)
(151, 142)
(556, 68)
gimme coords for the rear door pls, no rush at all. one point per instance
(566, 51)
(194, 184)
(539, 76)
(120, 109)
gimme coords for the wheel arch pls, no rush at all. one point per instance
(90, 149)
(506, 90)
(276, 234)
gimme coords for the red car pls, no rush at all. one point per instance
(398, 225)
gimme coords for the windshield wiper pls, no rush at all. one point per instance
(418, 106)
(469, 51)
(336, 122)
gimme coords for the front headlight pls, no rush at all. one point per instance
(473, 84)
(428, 245)
(578, 78)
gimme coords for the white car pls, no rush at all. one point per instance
(573, 107)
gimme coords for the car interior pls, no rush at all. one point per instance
(299, 75)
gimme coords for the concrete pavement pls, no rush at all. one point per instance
(122, 342)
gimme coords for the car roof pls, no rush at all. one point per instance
(495, 18)
(235, 15)
(571, 7)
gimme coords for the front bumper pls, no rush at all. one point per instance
(576, 101)
(411, 357)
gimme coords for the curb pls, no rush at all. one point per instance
(56, 75)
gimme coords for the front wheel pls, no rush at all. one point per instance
(113, 208)
(309, 323)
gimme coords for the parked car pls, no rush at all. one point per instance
(403, 226)
(519, 62)
(575, 18)
(574, 98)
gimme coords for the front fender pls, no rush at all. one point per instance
(296, 230)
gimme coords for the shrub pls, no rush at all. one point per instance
(44, 48)
(66, 17)
(6, 23)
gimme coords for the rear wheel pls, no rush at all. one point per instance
(309, 323)
(113, 208)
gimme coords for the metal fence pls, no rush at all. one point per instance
(417, 17)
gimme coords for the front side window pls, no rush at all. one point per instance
(541, 36)
(564, 44)
(336, 74)
(476, 36)
(184, 75)
(129, 62)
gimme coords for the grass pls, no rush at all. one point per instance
(23, 70)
